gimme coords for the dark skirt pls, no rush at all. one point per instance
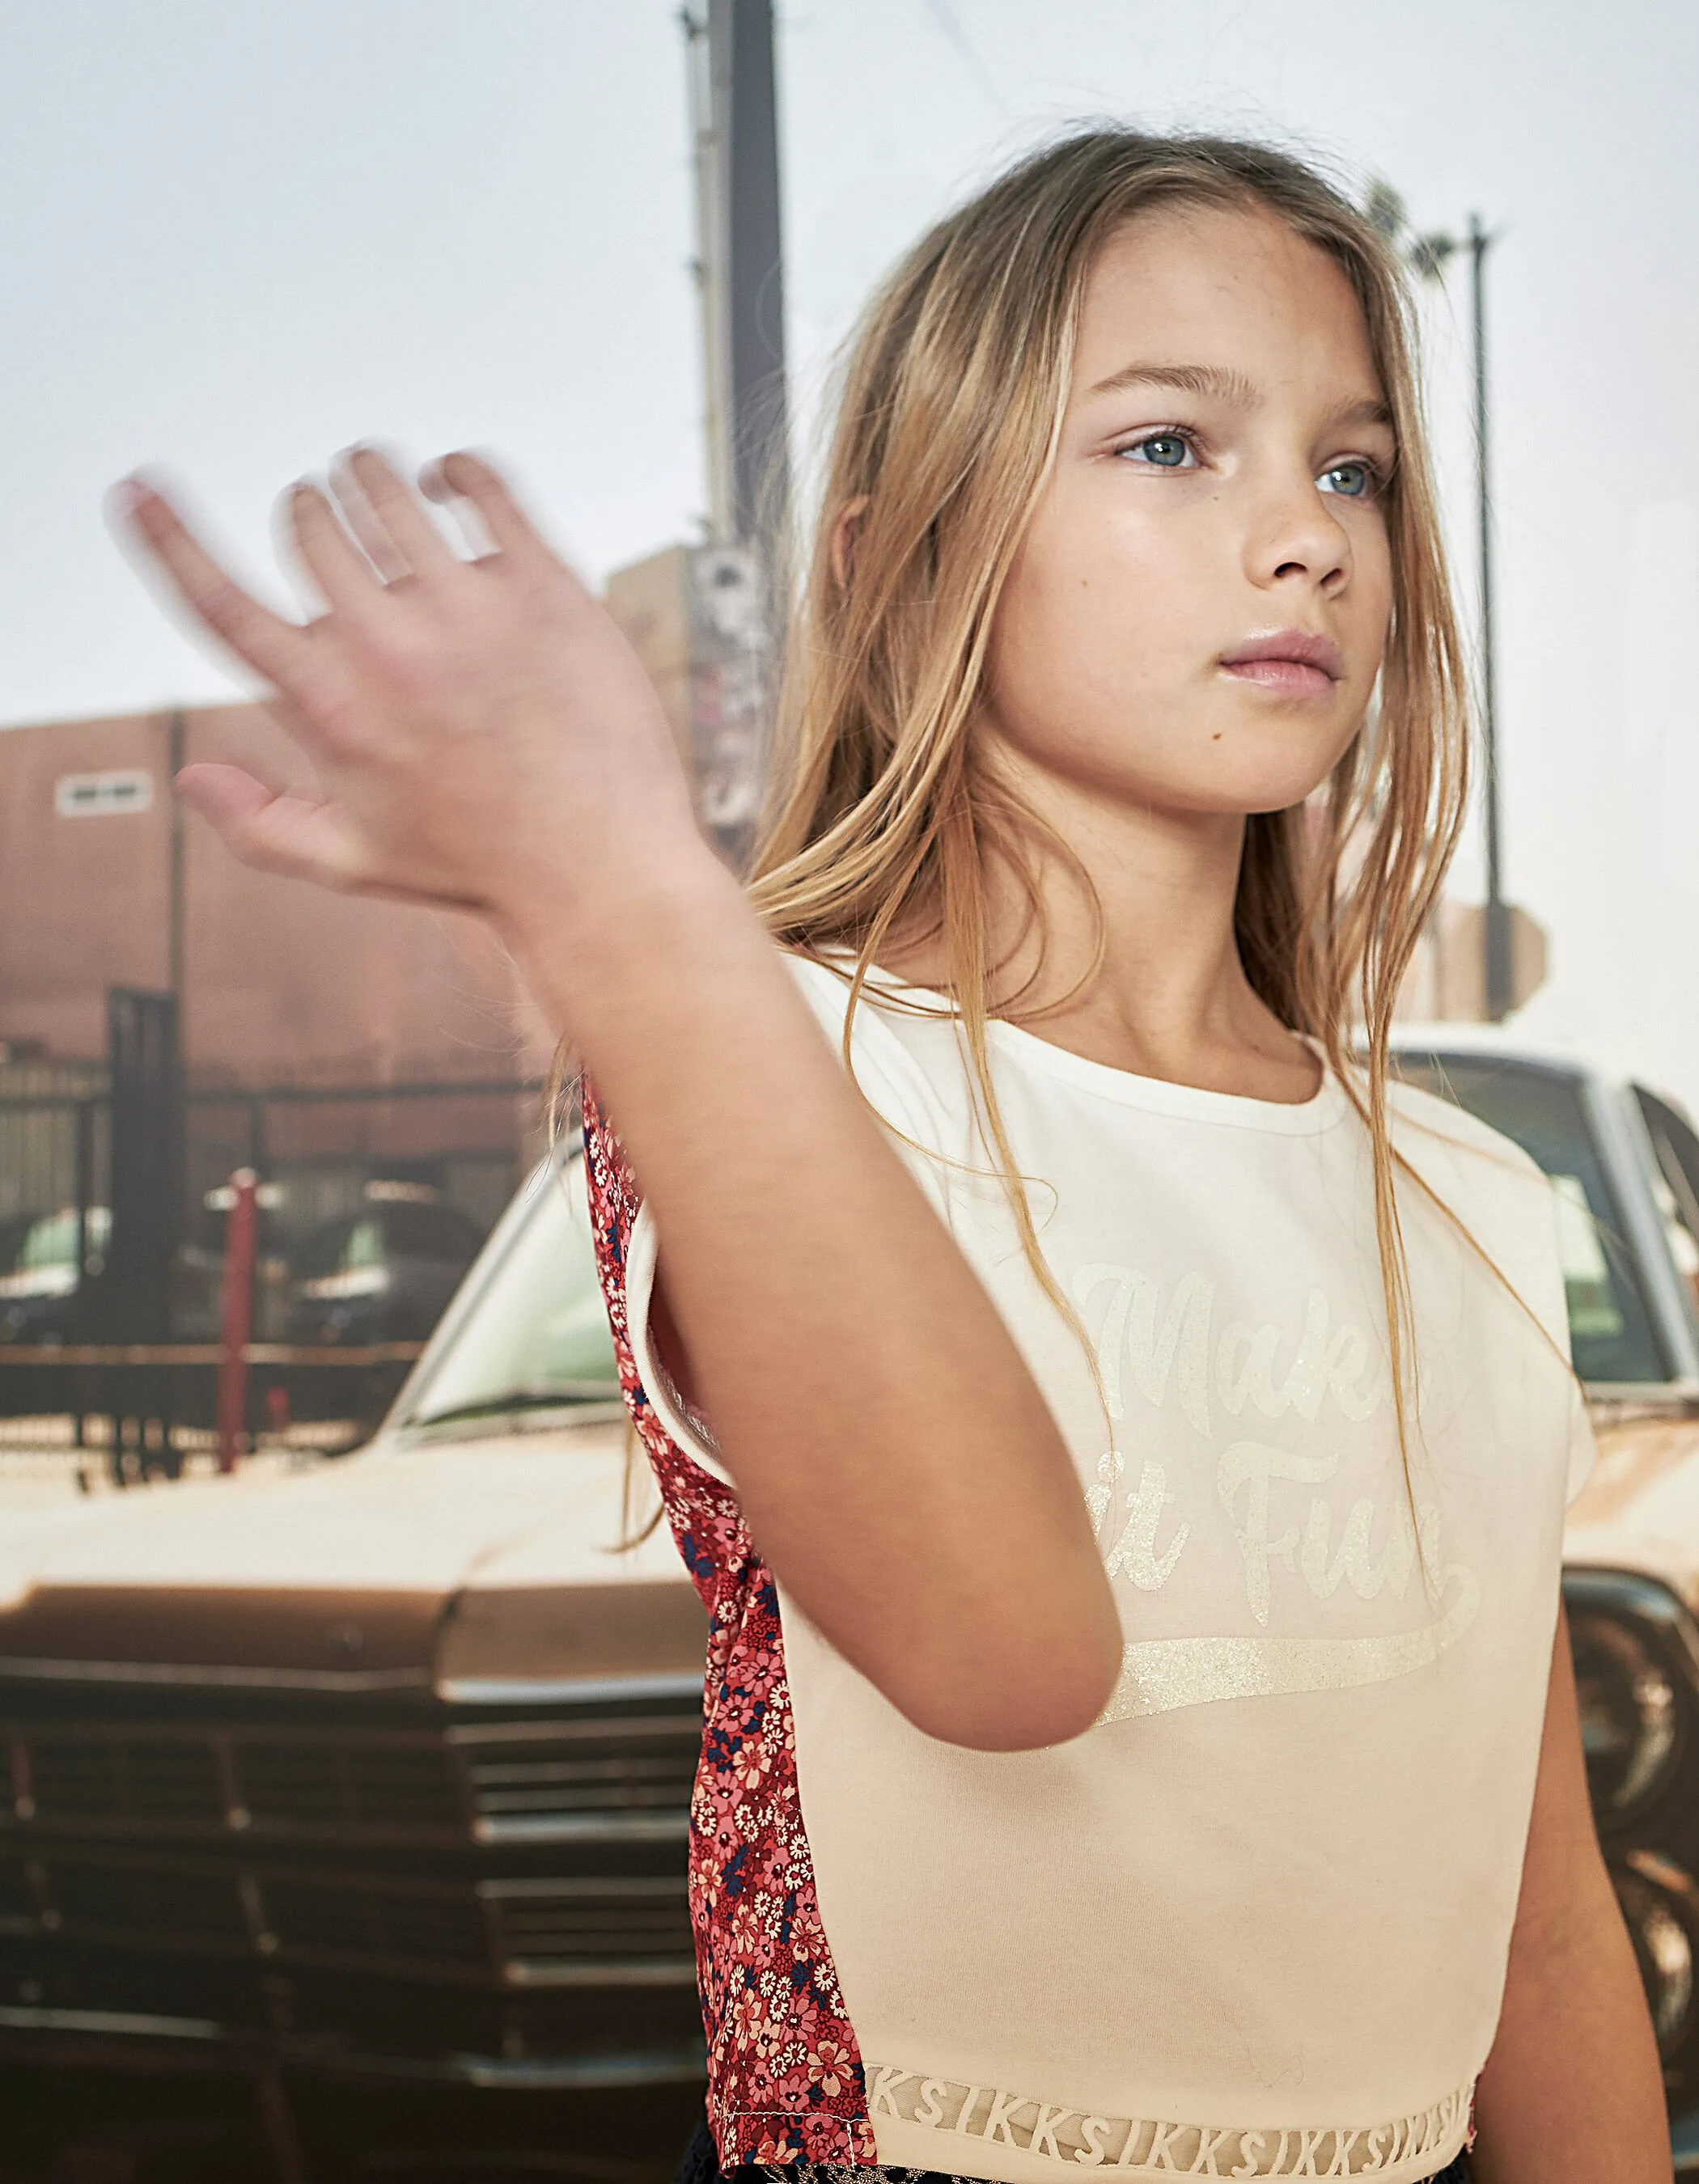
(701, 2165)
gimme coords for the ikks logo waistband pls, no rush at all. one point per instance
(1145, 2147)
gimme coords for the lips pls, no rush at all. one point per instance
(1293, 663)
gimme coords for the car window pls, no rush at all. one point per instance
(1676, 1146)
(341, 1245)
(1610, 1328)
(51, 1239)
(430, 1232)
(539, 1328)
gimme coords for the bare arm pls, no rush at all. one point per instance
(485, 739)
(1572, 2092)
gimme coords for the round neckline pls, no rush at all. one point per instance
(1326, 1105)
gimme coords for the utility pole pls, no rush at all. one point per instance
(741, 260)
(729, 617)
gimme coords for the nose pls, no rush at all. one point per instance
(1295, 537)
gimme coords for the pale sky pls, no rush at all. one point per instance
(237, 236)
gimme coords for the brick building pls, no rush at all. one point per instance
(279, 981)
(106, 881)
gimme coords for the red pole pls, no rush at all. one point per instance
(240, 1238)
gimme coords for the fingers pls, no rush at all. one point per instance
(299, 836)
(375, 543)
(296, 836)
(468, 477)
(271, 646)
(341, 574)
(385, 514)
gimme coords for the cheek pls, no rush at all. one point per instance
(1093, 622)
(1373, 585)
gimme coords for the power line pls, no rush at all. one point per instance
(944, 14)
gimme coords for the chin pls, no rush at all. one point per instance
(1275, 780)
(1253, 792)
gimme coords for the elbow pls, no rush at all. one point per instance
(1022, 1705)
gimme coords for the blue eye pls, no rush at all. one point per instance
(1165, 451)
(1355, 480)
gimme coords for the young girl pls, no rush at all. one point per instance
(1122, 1447)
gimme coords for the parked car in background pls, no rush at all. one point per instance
(43, 1261)
(1624, 1161)
(378, 1775)
(381, 1274)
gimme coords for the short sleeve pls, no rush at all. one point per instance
(897, 1090)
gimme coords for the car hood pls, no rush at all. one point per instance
(1640, 1511)
(411, 1561)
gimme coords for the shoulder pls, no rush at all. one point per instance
(1423, 1122)
(902, 1053)
(1504, 1201)
(1484, 1177)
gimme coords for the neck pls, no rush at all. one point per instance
(1138, 967)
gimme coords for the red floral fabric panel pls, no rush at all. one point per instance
(785, 2082)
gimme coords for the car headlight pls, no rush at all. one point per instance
(1631, 1709)
(1657, 1900)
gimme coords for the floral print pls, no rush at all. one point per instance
(785, 2082)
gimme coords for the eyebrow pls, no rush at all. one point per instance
(1211, 381)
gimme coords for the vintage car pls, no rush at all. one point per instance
(1625, 1164)
(376, 1774)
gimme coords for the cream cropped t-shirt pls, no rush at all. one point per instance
(1255, 1921)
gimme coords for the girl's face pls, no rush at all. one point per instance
(1198, 610)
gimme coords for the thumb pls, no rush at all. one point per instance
(301, 836)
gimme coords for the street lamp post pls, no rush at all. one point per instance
(1430, 255)
(1499, 986)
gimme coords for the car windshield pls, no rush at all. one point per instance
(536, 1332)
(1676, 1148)
(1610, 1329)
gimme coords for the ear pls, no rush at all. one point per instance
(844, 525)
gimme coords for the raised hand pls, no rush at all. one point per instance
(481, 732)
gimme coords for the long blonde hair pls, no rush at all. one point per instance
(884, 818)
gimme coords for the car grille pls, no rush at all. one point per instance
(508, 1781)
(561, 1932)
(169, 1779)
(557, 1779)
(350, 1919)
(131, 1902)
(340, 1785)
(540, 1857)
(580, 1930)
(102, 1900)
(17, 1898)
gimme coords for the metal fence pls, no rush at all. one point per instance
(54, 1140)
(120, 1171)
(318, 1146)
